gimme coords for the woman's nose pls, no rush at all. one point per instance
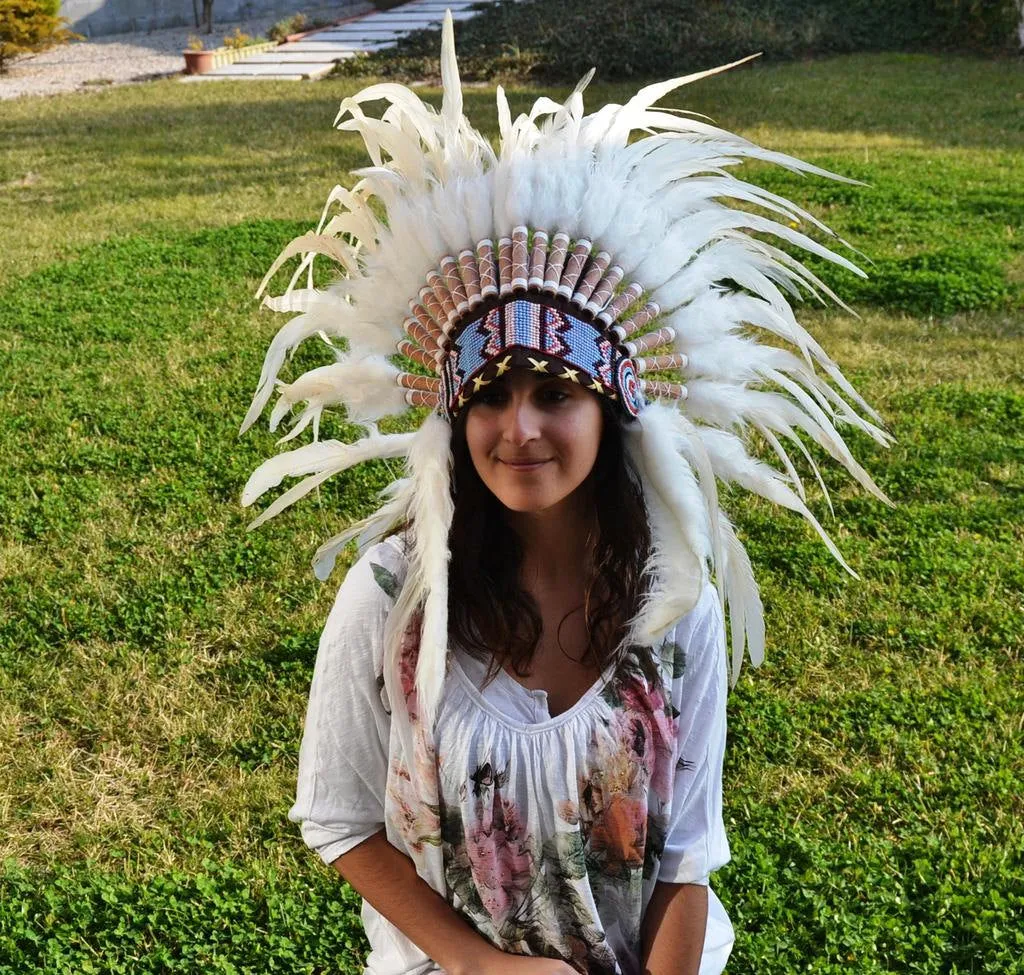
(520, 421)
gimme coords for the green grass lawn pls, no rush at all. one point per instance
(154, 657)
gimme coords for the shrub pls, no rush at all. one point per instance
(938, 283)
(28, 26)
(290, 25)
(667, 37)
(239, 39)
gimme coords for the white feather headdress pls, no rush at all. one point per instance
(636, 237)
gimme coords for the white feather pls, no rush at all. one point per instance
(323, 455)
(733, 464)
(430, 510)
(743, 603)
(679, 523)
(366, 387)
(393, 513)
(322, 314)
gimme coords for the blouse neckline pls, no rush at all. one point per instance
(531, 727)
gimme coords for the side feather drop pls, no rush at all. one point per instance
(430, 508)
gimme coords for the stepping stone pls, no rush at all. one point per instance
(299, 57)
(397, 23)
(393, 17)
(379, 33)
(311, 45)
(432, 7)
(290, 71)
(326, 45)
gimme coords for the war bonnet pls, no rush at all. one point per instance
(642, 268)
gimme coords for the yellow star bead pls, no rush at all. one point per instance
(503, 366)
(538, 365)
(596, 387)
(571, 374)
(479, 382)
(462, 400)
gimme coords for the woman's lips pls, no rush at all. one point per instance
(523, 465)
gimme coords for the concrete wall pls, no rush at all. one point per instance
(95, 18)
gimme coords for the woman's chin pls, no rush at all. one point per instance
(527, 505)
(537, 502)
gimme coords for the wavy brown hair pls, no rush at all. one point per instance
(490, 615)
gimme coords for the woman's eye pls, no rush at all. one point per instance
(492, 397)
(554, 396)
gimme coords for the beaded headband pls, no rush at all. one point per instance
(544, 303)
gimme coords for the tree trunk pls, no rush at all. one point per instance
(208, 15)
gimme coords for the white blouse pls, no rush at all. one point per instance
(546, 833)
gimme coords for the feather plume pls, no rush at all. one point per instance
(320, 316)
(390, 515)
(742, 601)
(316, 458)
(679, 525)
(365, 387)
(430, 509)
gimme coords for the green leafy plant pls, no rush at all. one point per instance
(527, 39)
(30, 26)
(290, 25)
(239, 39)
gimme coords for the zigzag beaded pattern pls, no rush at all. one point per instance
(540, 263)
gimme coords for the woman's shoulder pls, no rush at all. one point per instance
(706, 615)
(369, 589)
(383, 566)
(698, 636)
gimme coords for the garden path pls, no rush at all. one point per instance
(315, 54)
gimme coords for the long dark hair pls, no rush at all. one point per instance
(489, 614)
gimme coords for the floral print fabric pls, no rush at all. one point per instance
(550, 835)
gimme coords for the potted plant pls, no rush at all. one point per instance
(236, 46)
(197, 59)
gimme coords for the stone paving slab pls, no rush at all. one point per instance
(395, 17)
(359, 33)
(336, 45)
(409, 8)
(318, 46)
(247, 70)
(406, 23)
(400, 15)
(364, 29)
(298, 57)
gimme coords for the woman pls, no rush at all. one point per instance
(514, 742)
(539, 467)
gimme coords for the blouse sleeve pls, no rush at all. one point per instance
(343, 759)
(695, 843)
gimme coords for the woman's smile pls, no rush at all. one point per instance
(523, 465)
(533, 439)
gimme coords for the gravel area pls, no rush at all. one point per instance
(119, 58)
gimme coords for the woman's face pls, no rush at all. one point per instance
(533, 439)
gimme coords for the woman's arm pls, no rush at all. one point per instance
(672, 936)
(386, 878)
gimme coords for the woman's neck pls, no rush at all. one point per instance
(556, 544)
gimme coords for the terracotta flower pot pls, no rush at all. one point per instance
(198, 62)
